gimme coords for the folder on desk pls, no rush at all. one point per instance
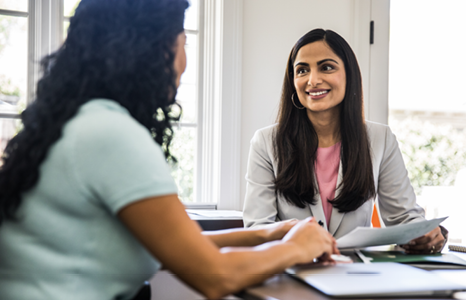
(374, 280)
(424, 261)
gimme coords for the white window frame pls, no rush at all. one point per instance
(197, 124)
(44, 32)
(219, 106)
(12, 13)
(45, 36)
(220, 109)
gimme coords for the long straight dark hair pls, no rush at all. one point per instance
(296, 141)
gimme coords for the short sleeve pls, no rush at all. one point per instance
(116, 161)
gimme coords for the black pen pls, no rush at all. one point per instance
(321, 223)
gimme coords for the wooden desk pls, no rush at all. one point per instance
(280, 287)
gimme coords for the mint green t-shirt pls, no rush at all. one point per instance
(68, 242)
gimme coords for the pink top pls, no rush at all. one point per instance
(327, 165)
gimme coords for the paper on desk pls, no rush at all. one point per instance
(398, 234)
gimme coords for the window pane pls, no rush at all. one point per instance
(427, 106)
(66, 25)
(186, 97)
(191, 18)
(20, 5)
(8, 129)
(69, 6)
(187, 92)
(190, 74)
(184, 149)
(13, 62)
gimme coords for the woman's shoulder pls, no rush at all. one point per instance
(375, 126)
(265, 132)
(103, 116)
(104, 108)
(267, 129)
(263, 138)
(105, 124)
(380, 135)
(375, 129)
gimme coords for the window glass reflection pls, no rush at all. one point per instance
(13, 62)
(427, 107)
(186, 97)
(192, 16)
(8, 129)
(18, 5)
(69, 6)
(184, 149)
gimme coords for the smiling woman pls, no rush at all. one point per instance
(322, 159)
(319, 80)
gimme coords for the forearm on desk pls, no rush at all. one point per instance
(250, 237)
(237, 237)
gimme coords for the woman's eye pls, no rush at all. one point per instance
(300, 71)
(327, 68)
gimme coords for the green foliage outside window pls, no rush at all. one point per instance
(183, 148)
(433, 154)
(6, 23)
(7, 88)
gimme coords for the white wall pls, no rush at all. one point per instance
(269, 29)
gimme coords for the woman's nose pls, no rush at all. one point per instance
(314, 79)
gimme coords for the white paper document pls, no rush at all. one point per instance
(399, 234)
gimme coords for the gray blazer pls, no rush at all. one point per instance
(395, 197)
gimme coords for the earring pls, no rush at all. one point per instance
(292, 100)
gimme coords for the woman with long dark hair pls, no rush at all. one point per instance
(88, 209)
(322, 158)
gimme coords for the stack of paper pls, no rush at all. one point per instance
(362, 237)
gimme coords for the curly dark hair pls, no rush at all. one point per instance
(115, 49)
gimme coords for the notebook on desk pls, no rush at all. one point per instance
(424, 261)
(374, 280)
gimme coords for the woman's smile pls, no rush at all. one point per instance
(316, 94)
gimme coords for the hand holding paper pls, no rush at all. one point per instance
(400, 234)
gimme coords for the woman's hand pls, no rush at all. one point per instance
(278, 230)
(431, 242)
(313, 241)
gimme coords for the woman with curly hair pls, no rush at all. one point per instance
(88, 209)
(322, 159)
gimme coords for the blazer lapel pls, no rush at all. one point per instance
(317, 210)
(336, 217)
